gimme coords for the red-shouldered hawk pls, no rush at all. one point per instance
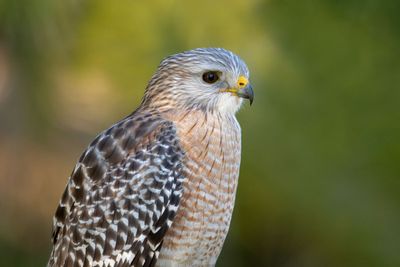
(158, 188)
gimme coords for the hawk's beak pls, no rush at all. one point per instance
(243, 89)
(246, 92)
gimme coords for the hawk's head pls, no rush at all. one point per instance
(211, 79)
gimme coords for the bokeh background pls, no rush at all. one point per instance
(320, 177)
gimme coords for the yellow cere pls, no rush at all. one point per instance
(242, 81)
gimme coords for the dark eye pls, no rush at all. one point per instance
(210, 76)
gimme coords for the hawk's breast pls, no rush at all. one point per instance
(212, 146)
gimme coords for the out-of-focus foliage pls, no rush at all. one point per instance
(320, 177)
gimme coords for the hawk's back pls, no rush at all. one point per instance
(122, 196)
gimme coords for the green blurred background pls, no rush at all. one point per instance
(320, 177)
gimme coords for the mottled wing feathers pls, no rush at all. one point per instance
(121, 197)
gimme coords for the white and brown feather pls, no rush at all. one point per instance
(121, 197)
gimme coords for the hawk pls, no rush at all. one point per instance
(158, 187)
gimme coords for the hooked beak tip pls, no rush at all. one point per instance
(247, 92)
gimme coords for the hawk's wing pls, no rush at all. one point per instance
(121, 197)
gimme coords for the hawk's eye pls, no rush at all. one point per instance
(210, 76)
